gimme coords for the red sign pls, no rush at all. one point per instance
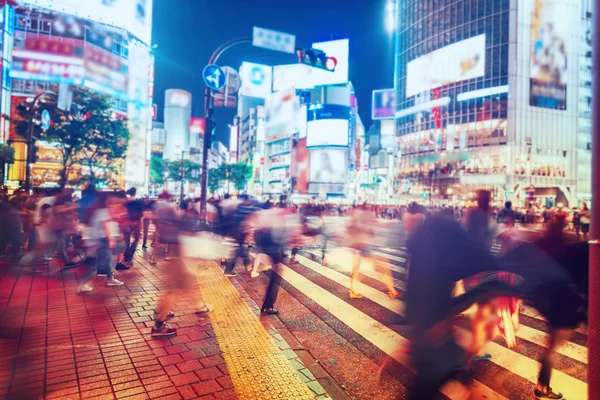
(357, 155)
(436, 113)
(154, 112)
(197, 126)
(301, 166)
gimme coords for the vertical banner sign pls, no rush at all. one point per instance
(138, 113)
(548, 65)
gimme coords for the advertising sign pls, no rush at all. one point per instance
(297, 76)
(178, 98)
(134, 16)
(340, 49)
(256, 80)
(454, 63)
(328, 165)
(197, 126)
(327, 132)
(138, 114)
(49, 59)
(301, 167)
(548, 66)
(384, 104)
(282, 113)
(105, 72)
(282, 160)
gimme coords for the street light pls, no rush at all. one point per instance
(449, 191)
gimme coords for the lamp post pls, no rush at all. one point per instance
(208, 114)
(30, 137)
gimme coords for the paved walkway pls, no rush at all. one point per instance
(56, 343)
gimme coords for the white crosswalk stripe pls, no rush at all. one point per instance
(514, 361)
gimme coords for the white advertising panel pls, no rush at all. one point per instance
(328, 165)
(256, 80)
(454, 63)
(295, 76)
(550, 29)
(134, 16)
(282, 109)
(340, 49)
(138, 115)
(327, 132)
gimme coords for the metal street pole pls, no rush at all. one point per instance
(30, 137)
(208, 115)
(182, 176)
(594, 270)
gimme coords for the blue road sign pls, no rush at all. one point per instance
(45, 120)
(214, 77)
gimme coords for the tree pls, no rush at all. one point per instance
(238, 174)
(157, 170)
(190, 170)
(87, 135)
(215, 179)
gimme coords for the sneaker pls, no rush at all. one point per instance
(255, 274)
(231, 274)
(204, 310)
(547, 395)
(70, 264)
(481, 357)
(114, 282)
(85, 288)
(122, 266)
(102, 272)
(269, 311)
(354, 295)
(164, 330)
(395, 295)
(144, 247)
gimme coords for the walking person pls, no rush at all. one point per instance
(169, 220)
(135, 212)
(585, 216)
(103, 235)
(238, 231)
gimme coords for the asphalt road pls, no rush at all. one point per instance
(362, 342)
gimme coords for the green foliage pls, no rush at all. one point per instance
(157, 171)
(238, 174)
(86, 136)
(174, 168)
(216, 177)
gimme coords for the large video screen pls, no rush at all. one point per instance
(384, 104)
(548, 65)
(454, 63)
(328, 165)
(327, 132)
(134, 16)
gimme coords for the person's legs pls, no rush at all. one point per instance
(132, 246)
(354, 275)
(557, 338)
(61, 242)
(146, 229)
(239, 253)
(272, 291)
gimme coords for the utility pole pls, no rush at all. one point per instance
(594, 270)
(182, 176)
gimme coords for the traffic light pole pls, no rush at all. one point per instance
(208, 115)
(28, 157)
(594, 270)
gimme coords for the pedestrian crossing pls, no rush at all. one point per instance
(515, 370)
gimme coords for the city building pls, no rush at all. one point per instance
(106, 49)
(488, 96)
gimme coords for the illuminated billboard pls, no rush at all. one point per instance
(384, 104)
(256, 80)
(134, 16)
(295, 76)
(454, 63)
(328, 125)
(548, 63)
(327, 132)
(328, 165)
(340, 49)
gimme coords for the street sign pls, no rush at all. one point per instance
(232, 81)
(273, 40)
(214, 77)
(45, 120)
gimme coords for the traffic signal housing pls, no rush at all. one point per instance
(317, 59)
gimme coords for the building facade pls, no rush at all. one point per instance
(44, 47)
(488, 97)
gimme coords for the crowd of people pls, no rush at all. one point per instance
(451, 269)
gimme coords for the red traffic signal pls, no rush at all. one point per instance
(317, 59)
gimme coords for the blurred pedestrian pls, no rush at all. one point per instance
(135, 212)
(585, 216)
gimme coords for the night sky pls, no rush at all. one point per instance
(188, 31)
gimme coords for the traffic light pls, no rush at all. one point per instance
(34, 155)
(7, 155)
(317, 59)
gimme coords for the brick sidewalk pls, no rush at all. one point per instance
(58, 343)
